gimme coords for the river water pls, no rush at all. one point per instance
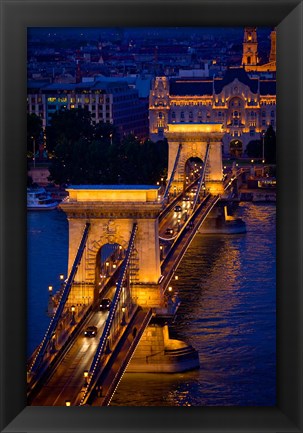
(227, 285)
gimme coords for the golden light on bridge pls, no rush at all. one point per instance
(50, 288)
(67, 403)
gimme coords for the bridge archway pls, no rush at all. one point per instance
(236, 148)
(108, 259)
(194, 139)
(192, 169)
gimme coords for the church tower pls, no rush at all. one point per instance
(250, 48)
(273, 39)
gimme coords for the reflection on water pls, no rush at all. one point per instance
(47, 246)
(227, 287)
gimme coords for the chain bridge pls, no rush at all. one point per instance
(125, 244)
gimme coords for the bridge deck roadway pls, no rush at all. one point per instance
(67, 380)
(183, 241)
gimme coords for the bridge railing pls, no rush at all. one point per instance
(103, 345)
(39, 355)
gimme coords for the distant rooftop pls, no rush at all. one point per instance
(190, 86)
(195, 86)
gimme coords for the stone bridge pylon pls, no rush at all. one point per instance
(111, 211)
(194, 138)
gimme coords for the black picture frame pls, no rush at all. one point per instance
(16, 17)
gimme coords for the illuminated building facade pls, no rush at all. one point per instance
(244, 104)
(108, 101)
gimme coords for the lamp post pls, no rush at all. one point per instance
(123, 321)
(85, 375)
(263, 156)
(73, 308)
(53, 343)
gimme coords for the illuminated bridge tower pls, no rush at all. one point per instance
(112, 212)
(194, 139)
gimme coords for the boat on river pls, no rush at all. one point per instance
(39, 199)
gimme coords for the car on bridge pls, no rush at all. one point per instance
(169, 231)
(105, 304)
(178, 208)
(91, 331)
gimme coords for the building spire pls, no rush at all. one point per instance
(272, 55)
(250, 48)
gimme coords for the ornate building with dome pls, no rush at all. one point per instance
(243, 101)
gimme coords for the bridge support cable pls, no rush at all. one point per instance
(62, 301)
(202, 177)
(94, 371)
(165, 195)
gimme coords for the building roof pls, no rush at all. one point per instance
(204, 86)
(236, 73)
(190, 87)
(268, 87)
(101, 84)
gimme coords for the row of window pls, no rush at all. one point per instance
(208, 115)
(84, 99)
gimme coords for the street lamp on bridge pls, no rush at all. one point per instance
(73, 309)
(85, 375)
(123, 321)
